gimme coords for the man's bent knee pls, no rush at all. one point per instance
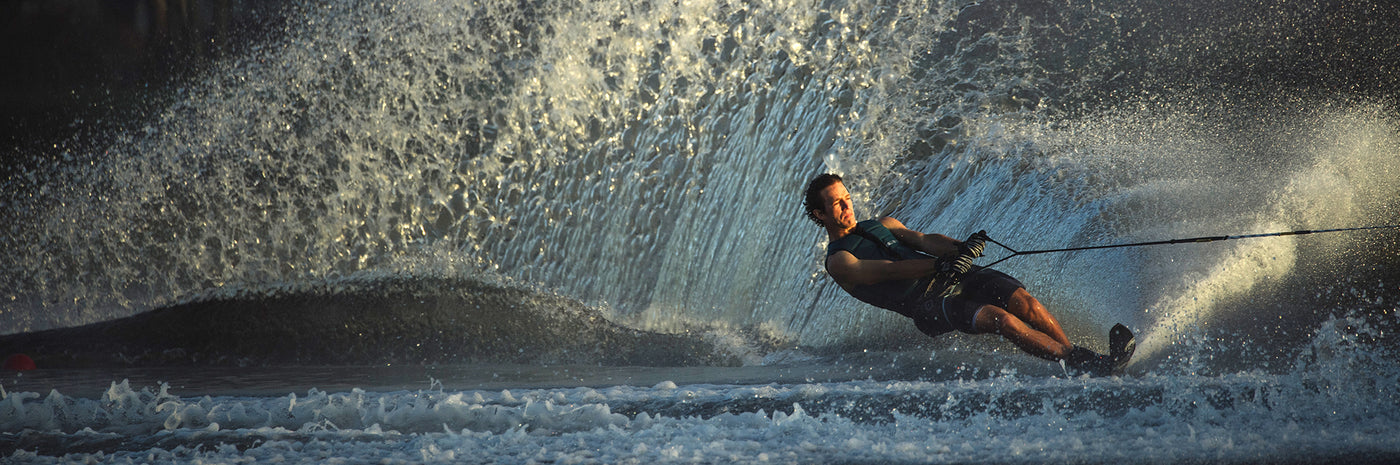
(1021, 297)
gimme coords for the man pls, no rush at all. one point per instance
(930, 279)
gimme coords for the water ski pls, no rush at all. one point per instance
(1121, 345)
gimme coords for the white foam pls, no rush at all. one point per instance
(1340, 400)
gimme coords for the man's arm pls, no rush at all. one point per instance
(937, 245)
(849, 271)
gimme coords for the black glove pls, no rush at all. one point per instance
(974, 244)
(956, 267)
(969, 250)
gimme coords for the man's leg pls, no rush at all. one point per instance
(993, 319)
(1029, 310)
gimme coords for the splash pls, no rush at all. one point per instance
(620, 151)
(1340, 178)
(646, 158)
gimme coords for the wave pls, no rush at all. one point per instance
(376, 321)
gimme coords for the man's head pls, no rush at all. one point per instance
(827, 200)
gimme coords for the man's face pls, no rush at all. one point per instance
(836, 210)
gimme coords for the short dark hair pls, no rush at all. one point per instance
(814, 200)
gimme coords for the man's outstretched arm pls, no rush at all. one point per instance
(849, 271)
(937, 245)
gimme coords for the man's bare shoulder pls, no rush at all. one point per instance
(843, 267)
(840, 259)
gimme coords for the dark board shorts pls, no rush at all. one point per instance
(957, 309)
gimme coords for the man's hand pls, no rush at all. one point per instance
(969, 249)
(974, 244)
(957, 267)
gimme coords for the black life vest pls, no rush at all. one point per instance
(873, 241)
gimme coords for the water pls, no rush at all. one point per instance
(1314, 413)
(515, 232)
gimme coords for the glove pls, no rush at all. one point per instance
(957, 266)
(967, 252)
(974, 244)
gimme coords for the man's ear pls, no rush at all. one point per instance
(821, 215)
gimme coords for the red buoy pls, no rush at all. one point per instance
(19, 362)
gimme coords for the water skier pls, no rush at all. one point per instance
(930, 278)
